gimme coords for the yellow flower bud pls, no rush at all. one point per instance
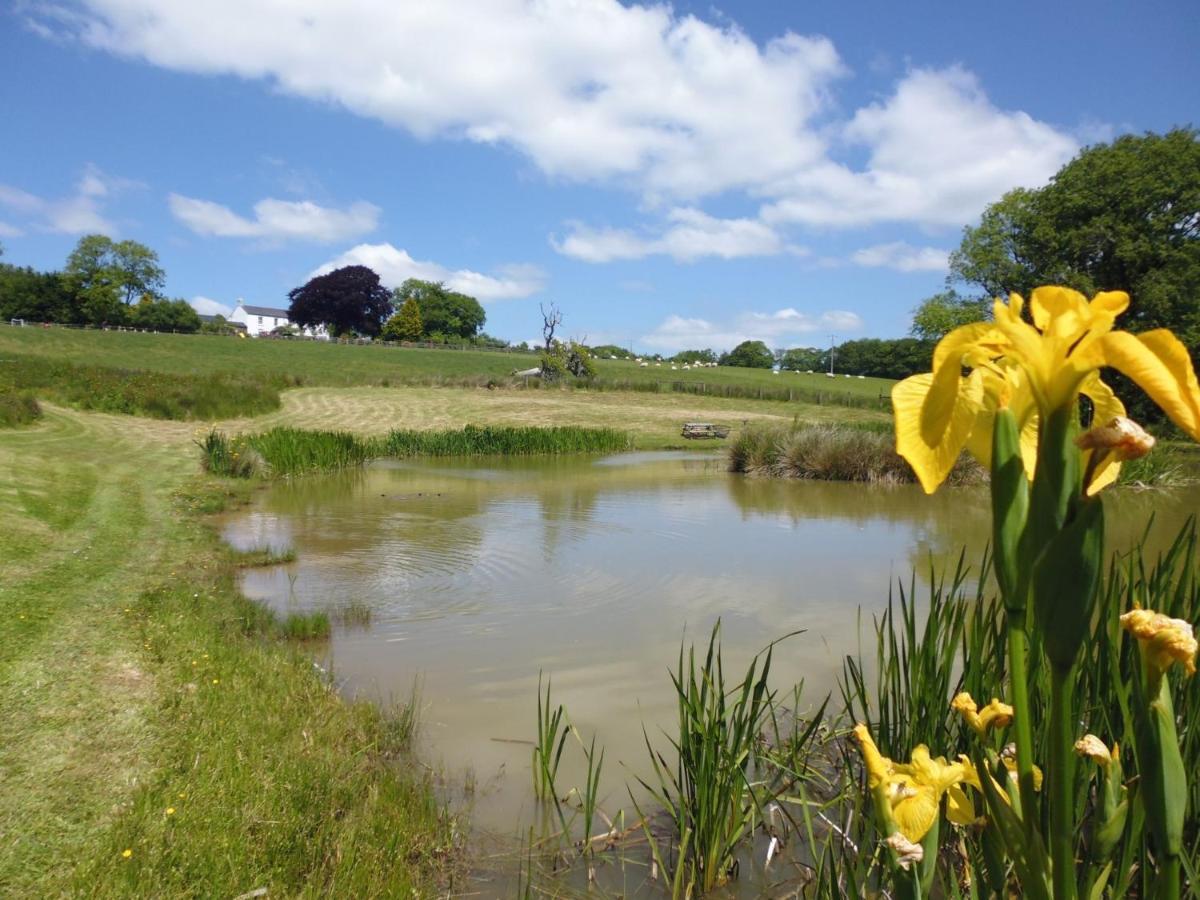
(1164, 640)
(1122, 437)
(1093, 748)
(994, 715)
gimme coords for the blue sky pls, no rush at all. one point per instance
(671, 177)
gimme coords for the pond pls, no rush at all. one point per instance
(478, 575)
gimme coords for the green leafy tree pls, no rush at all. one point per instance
(346, 300)
(942, 313)
(804, 359)
(36, 296)
(409, 326)
(894, 358)
(690, 357)
(604, 351)
(750, 355)
(443, 311)
(164, 315)
(1120, 216)
(105, 272)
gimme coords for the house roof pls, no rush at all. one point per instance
(265, 311)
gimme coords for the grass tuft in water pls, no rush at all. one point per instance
(552, 731)
(355, 614)
(707, 793)
(263, 557)
(312, 626)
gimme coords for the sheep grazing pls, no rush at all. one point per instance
(643, 365)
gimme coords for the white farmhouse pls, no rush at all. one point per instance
(265, 319)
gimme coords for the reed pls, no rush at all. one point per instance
(831, 453)
(552, 731)
(355, 614)
(707, 792)
(263, 557)
(294, 451)
(500, 440)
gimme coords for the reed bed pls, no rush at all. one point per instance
(831, 453)
(734, 780)
(292, 451)
(499, 440)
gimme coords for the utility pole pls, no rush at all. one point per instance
(832, 338)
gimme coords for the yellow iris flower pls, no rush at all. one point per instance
(994, 715)
(911, 793)
(1033, 370)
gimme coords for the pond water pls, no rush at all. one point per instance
(480, 574)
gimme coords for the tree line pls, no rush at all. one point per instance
(104, 282)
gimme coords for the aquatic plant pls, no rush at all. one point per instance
(707, 792)
(552, 731)
(309, 626)
(831, 452)
(1016, 409)
(504, 440)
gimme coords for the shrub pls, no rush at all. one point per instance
(18, 409)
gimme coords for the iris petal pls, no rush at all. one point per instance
(1160, 365)
(932, 461)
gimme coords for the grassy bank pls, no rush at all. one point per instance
(293, 451)
(138, 392)
(161, 739)
(322, 364)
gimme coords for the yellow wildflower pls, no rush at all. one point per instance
(170, 810)
(126, 853)
(1163, 640)
(216, 681)
(994, 715)
(1033, 370)
(913, 791)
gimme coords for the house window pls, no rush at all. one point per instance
(260, 320)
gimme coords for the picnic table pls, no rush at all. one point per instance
(700, 430)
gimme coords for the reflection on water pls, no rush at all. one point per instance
(479, 575)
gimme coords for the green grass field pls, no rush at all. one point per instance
(320, 363)
(160, 737)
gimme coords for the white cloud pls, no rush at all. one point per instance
(939, 152)
(276, 220)
(902, 257)
(79, 213)
(691, 234)
(394, 265)
(673, 107)
(782, 327)
(9, 231)
(207, 306)
(587, 90)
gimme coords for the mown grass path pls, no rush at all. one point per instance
(155, 741)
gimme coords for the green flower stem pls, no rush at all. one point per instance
(1167, 886)
(1062, 783)
(1018, 654)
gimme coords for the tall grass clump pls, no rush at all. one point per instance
(18, 408)
(707, 791)
(226, 456)
(504, 440)
(294, 451)
(157, 395)
(828, 452)
(310, 626)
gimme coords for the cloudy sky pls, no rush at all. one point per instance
(671, 176)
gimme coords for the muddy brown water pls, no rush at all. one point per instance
(480, 574)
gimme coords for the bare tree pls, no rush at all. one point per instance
(551, 319)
